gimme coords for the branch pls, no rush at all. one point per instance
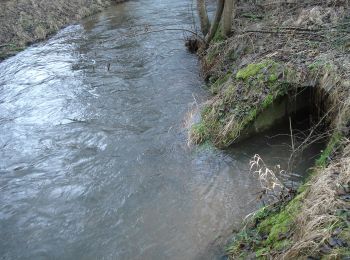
(170, 29)
(284, 32)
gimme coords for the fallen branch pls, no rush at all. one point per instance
(284, 32)
(169, 29)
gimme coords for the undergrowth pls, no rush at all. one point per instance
(240, 98)
(271, 231)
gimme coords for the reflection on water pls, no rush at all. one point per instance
(94, 157)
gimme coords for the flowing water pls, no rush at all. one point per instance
(94, 161)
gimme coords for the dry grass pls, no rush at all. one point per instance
(310, 39)
(317, 218)
(273, 189)
(23, 21)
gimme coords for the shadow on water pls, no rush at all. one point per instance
(94, 157)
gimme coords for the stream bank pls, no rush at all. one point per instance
(24, 22)
(257, 78)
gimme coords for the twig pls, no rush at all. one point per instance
(291, 133)
(284, 32)
(170, 29)
(307, 141)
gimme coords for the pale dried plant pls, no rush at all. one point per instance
(272, 187)
(192, 117)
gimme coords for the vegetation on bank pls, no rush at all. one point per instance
(239, 99)
(313, 224)
(23, 22)
(275, 49)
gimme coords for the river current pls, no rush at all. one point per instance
(94, 156)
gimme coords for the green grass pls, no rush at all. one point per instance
(218, 37)
(331, 147)
(199, 133)
(216, 86)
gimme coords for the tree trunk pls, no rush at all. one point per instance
(216, 22)
(203, 16)
(227, 16)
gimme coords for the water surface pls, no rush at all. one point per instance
(94, 157)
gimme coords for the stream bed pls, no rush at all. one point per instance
(94, 156)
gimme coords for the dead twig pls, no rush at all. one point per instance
(169, 29)
(285, 32)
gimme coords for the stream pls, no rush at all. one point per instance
(94, 156)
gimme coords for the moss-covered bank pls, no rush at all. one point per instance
(277, 51)
(313, 225)
(23, 22)
(241, 99)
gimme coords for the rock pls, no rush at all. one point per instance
(332, 242)
(345, 197)
(325, 249)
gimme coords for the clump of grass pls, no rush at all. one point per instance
(218, 37)
(240, 99)
(268, 231)
(198, 133)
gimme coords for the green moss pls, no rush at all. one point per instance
(255, 69)
(303, 187)
(268, 101)
(273, 77)
(252, 90)
(262, 252)
(331, 147)
(276, 226)
(273, 224)
(218, 37)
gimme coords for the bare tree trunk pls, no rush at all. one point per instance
(227, 17)
(203, 16)
(216, 22)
